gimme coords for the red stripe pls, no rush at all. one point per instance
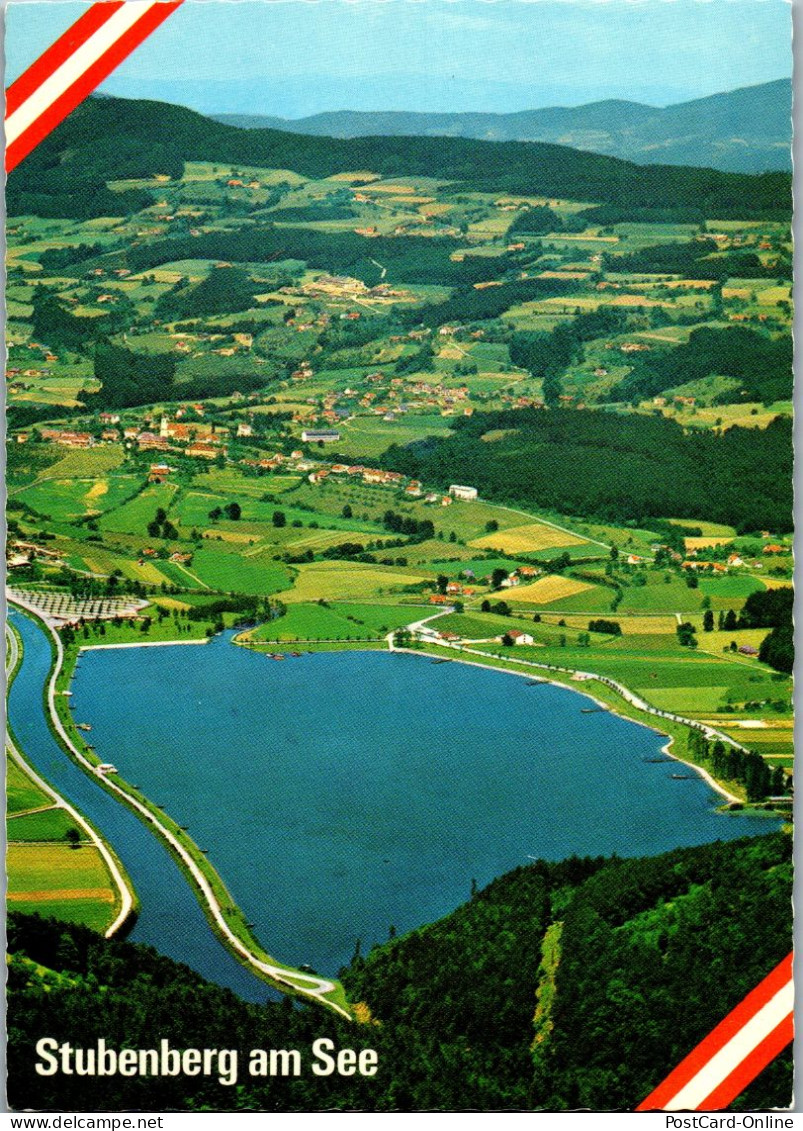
(83, 87)
(710, 1045)
(745, 1073)
(73, 38)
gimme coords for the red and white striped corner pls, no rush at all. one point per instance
(73, 67)
(731, 1057)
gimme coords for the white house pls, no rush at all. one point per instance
(466, 493)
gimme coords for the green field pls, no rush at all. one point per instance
(230, 572)
(66, 883)
(21, 792)
(68, 499)
(337, 622)
(49, 825)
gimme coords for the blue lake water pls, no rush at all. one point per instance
(170, 919)
(340, 793)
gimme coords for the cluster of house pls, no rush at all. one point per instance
(343, 286)
(733, 561)
(661, 402)
(388, 397)
(519, 576)
(20, 553)
(17, 371)
(178, 556)
(193, 437)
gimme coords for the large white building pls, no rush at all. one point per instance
(467, 493)
(320, 435)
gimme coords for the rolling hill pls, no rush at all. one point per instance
(740, 131)
(108, 138)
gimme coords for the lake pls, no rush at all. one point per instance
(342, 794)
(170, 916)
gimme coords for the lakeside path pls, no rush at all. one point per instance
(308, 985)
(629, 696)
(125, 892)
(139, 644)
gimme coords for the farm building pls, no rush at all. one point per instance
(320, 435)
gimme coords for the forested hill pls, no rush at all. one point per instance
(107, 138)
(744, 131)
(614, 467)
(560, 986)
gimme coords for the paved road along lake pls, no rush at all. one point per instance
(170, 919)
(341, 793)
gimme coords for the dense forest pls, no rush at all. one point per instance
(558, 986)
(613, 467)
(700, 259)
(773, 608)
(341, 253)
(761, 366)
(110, 138)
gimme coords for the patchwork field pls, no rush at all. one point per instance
(334, 581)
(56, 880)
(45, 872)
(336, 622)
(530, 538)
(546, 590)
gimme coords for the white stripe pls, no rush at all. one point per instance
(76, 65)
(738, 1048)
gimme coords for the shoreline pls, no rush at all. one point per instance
(587, 678)
(139, 644)
(119, 878)
(285, 978)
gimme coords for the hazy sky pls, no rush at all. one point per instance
(296, 57)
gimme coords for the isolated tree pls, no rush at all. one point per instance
(708, 621)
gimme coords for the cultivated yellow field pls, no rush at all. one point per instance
(57, 871)
(358, 175)
(775, 583)
(523, 539)
(86, 462)
(97, 490)
(631, 626)
(705, 543)
(692, 284)
(707, 529)
(230, 535)
(545, 590)
(717, 642)
(345, 581)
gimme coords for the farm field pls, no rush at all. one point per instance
(333, 622)
(546, 590)
(422, 333)
(22, 794)
(59, 881)
(533, 538)
(45, 872)
(332, 581)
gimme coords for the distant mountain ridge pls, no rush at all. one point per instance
(108, 139)
(748, 130)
